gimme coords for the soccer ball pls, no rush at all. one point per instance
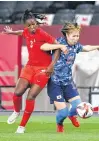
(84, 110)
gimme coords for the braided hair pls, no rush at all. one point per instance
(37, 17)
(70, 26)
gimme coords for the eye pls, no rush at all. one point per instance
(28, 24)
(33, 24)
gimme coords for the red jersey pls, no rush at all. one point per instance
(38, 57)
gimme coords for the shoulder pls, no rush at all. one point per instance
(79, 45)
(43, 32)
(61, 40)
(40, 31)
(25, 30)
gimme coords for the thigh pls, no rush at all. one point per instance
(27, 73)
(40, 78)
(70, 91)
(21, 86)
(34, 91)
(54, 92)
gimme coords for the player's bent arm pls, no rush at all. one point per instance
(47, 47)
(88, 48)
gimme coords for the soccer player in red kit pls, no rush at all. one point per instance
(38, 69)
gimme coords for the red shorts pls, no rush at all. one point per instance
(35, 75)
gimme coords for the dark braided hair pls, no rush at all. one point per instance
(38, 17)
(69, 26)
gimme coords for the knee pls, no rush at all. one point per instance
(19, 90)
(31, 97)
(61, 115)
(17, 93)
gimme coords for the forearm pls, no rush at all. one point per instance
(88, 48)
(18, 32)
(47, 47)
(56, 57)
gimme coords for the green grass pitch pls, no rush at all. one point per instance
(43, 128)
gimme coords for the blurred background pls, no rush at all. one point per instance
(13, 51)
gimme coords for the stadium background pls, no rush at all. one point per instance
(13, 53)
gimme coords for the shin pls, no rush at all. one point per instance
(74, 105)
(61, 115)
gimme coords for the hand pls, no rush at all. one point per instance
(49, 70)
(7, 29)
(64, 49)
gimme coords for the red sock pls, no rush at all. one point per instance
(17, 100)
(28, 111)
(96, 109)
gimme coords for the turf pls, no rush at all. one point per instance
(43, 128)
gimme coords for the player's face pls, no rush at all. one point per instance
(31, 24)
(73, 37)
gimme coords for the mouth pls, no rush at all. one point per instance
(75, 42)
(32, 30)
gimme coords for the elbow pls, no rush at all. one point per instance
(86, 50)
(43, 47)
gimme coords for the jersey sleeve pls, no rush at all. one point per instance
(47, 37)
(79, 48)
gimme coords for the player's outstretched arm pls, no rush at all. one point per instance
(8, 30)
(88, 48)
(47, 47)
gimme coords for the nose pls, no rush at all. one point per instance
(76, 39)
(32, 26)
